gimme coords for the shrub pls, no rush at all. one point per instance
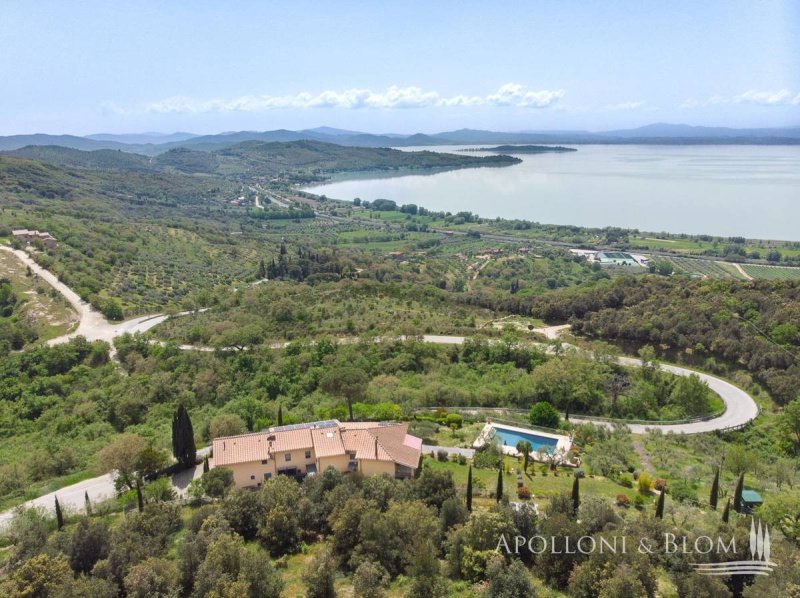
(623, 500)
(638, 501)
(523, 493)
(660, 484)
(544, 414)
(462, 460)
(625, 480)
(454, 419)
(441, 455)
(645, 483)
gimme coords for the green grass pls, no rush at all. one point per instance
(772, 272)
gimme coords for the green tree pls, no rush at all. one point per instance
(790, 425)
(152, 577)
(714, 498)
(346, 382)
(545, 415)
(319, 575)
(737, 494)
(370, 580)
(59, 516)
(183, 446)
(509, 580)
(88, 544)
(499, 491)
(226, 424)
(726, 513)
(217, 482)
(469, 489)
(660, 505)
(576, 495)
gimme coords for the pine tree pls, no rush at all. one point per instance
(499, 493)
(87, 504)
(576, 495)
(737, 495)
(280, 414)
(183, 447)
(59, 515)
(726, 514)
(712, 501)
(139, 499)
(660, 504)
(205, 464)
(469, 489)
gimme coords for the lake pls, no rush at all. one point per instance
(749, 191)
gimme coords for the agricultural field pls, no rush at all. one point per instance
(704, 268)
(772, 272)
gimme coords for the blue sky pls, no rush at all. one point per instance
(89, 66)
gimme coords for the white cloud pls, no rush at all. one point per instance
(779, 97)
(511, 94)
(627, 106)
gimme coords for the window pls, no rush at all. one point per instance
(264, 461)
(308, 454)
(351, 456)
(267, 476)
(252, 477)
(287, 457)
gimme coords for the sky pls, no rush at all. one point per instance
(89, 66)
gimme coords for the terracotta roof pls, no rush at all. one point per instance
(240, 449)
(368, 440)
(327, 442)
(291, 440)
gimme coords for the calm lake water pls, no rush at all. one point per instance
(750, 191)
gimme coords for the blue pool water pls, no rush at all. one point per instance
(511, 438)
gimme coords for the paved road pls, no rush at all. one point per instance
(72, 498)
(92, 324)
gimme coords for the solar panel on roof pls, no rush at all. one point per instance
(328, 423)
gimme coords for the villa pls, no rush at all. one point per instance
(305, 449)
(29, 236)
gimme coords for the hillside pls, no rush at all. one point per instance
(302, 160)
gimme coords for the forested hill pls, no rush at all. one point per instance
(715, 323)
(296, 159)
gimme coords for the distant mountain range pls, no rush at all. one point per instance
(151, 144)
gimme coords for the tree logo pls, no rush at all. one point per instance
(759, 563)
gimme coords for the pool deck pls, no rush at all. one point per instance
(564, 443)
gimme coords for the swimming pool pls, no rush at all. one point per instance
(509, 437)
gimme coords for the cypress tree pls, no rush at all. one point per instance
(280, 414)
(660, 504)
(726, 514)
(59, 515)
(418, 472)
(205, 464)
(183, 447)
(576, 495)
(499, 493)
(712, 501)
(737, 495)
(262, 270)
(87, 504)
(469, 489)
(139, 498)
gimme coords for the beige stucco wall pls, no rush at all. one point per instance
(339, 462)
(298, 460)
(243, 471)
(372, 467)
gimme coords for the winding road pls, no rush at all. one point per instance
(92, 324)
(740, 408)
